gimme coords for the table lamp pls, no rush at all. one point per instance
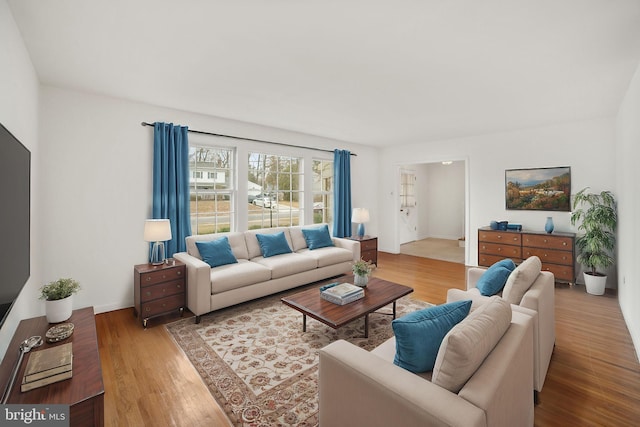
(157, 231)
(360, 216)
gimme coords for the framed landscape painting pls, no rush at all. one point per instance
(540, 189)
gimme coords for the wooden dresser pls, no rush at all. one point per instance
(158, 290)
(555, 250)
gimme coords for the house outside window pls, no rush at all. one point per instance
(322, 191)
(211, 189)
(277, 180)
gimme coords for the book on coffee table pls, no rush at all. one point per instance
(342, 294)
(48, 366)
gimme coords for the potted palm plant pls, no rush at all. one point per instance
(361, 271)
(58, 299)
(596, 213)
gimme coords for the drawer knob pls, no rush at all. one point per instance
(564, 243)
(179, 273)
(499, 249)
(179, 286)
(148, 293)
(499, 236)
(164, 304)
(148, 278)
(147, 309)
(164, 290)
(545, 240)
(164, 276)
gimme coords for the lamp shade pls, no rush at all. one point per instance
(360, 215)
(157, 230)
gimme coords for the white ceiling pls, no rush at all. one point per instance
(365, 71)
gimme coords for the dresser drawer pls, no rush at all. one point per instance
(506, 251)
(550, 241)
(162, 290)
(485, 260)
(164, 275)
(549, 255)
(369, 245)
(505, 237)
(560, 272)
(162, 305)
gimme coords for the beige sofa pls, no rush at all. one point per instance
(538, 302)
(360, 388)
(254, 276)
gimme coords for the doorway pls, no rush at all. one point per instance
(435, 226)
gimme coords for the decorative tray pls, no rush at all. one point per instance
(59, 332)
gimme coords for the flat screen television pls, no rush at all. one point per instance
(15, 211)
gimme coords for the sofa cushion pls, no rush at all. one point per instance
(468, 343)
(236, 241)
(216, 252)
(273, 244)
(521, 279)
(253, 247)
(233, 276)
(286, 264)
(328, 256)
(419, 334)
(317, 237)
(493, 280)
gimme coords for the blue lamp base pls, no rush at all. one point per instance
(157, 253)
(360, 230)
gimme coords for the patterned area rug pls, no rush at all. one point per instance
(259, 365)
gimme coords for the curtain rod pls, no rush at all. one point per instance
(251, 139)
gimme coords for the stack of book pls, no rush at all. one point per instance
(341, 293)
(47, 366)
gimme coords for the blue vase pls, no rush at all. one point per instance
(548, 226)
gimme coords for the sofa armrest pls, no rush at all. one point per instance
(473, 275)
(351, 245)
(198, 283)
(357, 388)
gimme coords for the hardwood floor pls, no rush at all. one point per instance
(593, 379)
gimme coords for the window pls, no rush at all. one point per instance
(211, 189)
(275, 190)
(322, 191)
(407, 190)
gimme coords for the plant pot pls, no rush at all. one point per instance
(59, 310)
(360, 280)
(595, 283)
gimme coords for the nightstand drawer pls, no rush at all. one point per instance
(162, 290)
(369, 245)
(162, 305)
(154, 277)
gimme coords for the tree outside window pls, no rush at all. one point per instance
(322, 191)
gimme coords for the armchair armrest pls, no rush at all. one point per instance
(357, 388)
(351, 245)
(198, 284)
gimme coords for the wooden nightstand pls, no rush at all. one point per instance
(368, 248)
(158, 290)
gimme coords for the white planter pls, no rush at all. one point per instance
(59, 310)
(360, 280)
(595, 284)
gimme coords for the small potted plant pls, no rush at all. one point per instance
(598, 219)
(361, 271)
(58, 299)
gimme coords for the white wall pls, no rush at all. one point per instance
(444, 207)
(628, 193)
(587, 146)
(19, 114)
(97, 161)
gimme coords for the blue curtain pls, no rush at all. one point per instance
(171, 182)
(342, 193)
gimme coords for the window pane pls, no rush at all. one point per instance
(322, 191)
(211, 189)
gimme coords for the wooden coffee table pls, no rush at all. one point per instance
(377, 294)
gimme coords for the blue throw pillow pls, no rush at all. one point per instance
(216, 252)
(419, 334)
(273, 244)
(317, 237)
(493, 280)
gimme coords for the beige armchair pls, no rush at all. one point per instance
(538, 302)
